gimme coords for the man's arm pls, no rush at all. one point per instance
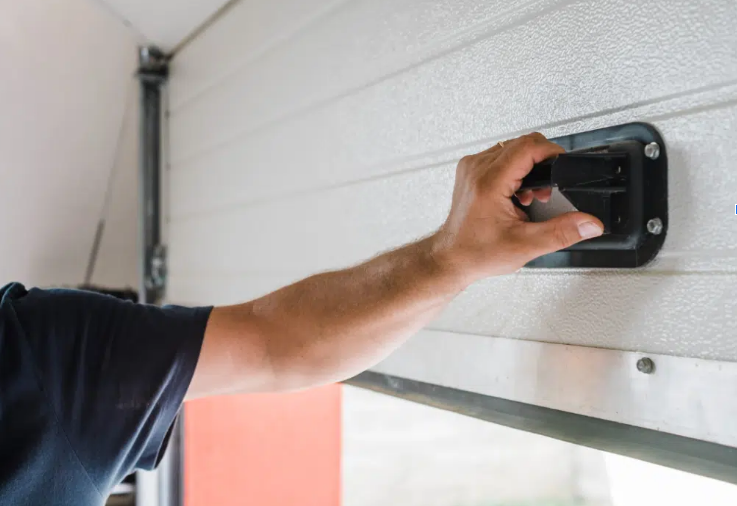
(334, 325)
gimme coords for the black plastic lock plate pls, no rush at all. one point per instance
(627, 243)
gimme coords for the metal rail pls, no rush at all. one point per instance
(164, 488)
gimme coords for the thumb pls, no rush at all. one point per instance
(559, 232)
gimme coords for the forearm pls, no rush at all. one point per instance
(333, 325)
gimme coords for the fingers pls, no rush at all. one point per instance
(543, 195)
(520, 154)
(526, 197)
(539, 239)
(503, 165)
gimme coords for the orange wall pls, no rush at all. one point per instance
(264, 450)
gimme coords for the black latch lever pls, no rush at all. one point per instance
(587, 172)
(608, 173)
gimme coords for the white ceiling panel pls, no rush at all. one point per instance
(165, 22)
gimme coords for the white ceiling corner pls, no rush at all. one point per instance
(165, 22)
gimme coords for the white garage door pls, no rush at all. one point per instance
(309, 135)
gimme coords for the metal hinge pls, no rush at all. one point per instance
(153, 65)
(157, 270)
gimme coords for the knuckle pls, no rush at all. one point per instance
(527, 141)
(465, 162)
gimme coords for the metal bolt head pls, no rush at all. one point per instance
(655, 226)
(646, 365)
(652, 151)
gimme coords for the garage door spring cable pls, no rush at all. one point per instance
(92, 260)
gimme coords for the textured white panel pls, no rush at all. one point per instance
(376, 39)
(386, 212)
(67, 67)
(686, 315)
(250, 30)
(499, 84)
(334, 136)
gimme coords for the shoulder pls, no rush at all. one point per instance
(11, 292)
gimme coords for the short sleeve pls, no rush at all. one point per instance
(115, 372)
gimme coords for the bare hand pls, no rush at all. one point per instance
(485, 233)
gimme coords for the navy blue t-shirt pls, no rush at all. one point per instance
(90, 386)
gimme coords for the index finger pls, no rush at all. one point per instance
(521, 154)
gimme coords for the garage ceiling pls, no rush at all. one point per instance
(165, 22)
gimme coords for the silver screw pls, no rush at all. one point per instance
(652, 151)
(645, 366)
(655, 226)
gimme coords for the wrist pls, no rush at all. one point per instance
(446, 263)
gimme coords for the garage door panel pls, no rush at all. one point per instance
(338, 227)
(250, 29)
(309, 144)
(700, 154)
(694, 125)
(708, 117)
(680, 315)
(342, 52)
(466, 94)
(319, 231)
